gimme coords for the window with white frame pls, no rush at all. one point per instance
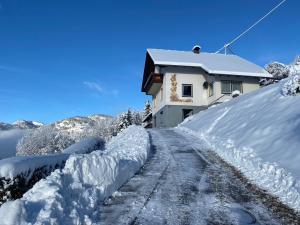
(187, 90)
(228, 86)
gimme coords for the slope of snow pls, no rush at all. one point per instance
(72, 195)
(8, 142)
(259, 134)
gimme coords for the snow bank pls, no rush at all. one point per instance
(11, 167)
(259, 134)
(85, 146)
(72, 195)
(8, 142)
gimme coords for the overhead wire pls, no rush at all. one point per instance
(251, 27)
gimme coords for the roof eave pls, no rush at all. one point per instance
(221, 72)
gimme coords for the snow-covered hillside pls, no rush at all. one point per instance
(73, 195)
(259, 133)
(79, 124)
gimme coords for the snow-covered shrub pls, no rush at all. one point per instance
(137, 118)
(18, 174)
(235, 93)
(43, 140)
(291, 86)
(278, 70)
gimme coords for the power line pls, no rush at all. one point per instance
(253, 25)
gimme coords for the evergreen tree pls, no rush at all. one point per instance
(147, 109)
(129, 117)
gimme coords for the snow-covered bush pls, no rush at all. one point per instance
(18, 174)
(43, 140)
(278, 70)
(292, 85)
(137, 118)
(235, 93)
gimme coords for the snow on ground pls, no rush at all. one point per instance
(72, 195)
(259, 134)
(8, 142)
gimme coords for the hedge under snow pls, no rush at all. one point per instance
(72, 195)
(18, 165)
(259, 133)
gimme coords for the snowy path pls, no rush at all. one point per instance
(184, 184)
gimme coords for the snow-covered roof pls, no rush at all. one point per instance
(210, 62)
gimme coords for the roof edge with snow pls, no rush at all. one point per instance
(210, 62)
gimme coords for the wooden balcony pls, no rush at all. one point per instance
(153, 83)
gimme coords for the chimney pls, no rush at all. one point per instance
(197, 49)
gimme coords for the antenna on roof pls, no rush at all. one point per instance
(226, 46)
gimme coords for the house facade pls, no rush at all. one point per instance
(184, 83)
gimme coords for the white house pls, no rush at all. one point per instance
(185, 82)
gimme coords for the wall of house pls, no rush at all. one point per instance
(197, 77)
(185, 75)
(168, 102)
(172, 115)
(249, 84)
(159, 100)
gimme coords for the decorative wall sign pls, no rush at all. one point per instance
(174, 96)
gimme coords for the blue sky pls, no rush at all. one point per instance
(63, 58)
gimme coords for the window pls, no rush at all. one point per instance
(237, 85)
(228, 86)
(186, 113)
(161, 94)
(210, 89)
(187, 90)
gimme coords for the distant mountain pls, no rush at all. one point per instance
(73, 124)
(78, 124)
(6, 126)
(26, 124)
(20, 124)
(98, 117)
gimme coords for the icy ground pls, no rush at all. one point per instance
(185, 183)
